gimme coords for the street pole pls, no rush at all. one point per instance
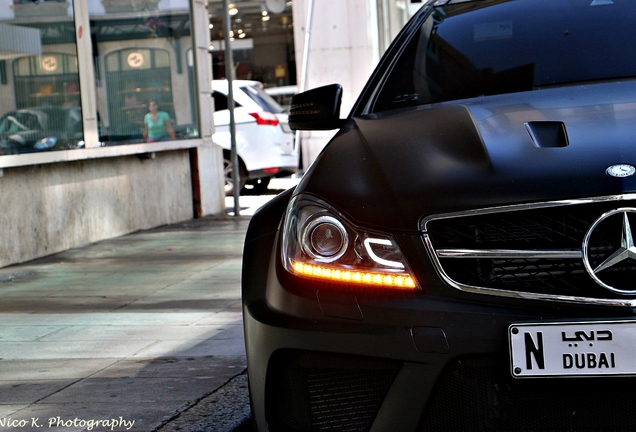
(308, 24)
(229, 75)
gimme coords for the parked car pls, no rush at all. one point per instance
(264, 141)
(460, 256)
(40, 129)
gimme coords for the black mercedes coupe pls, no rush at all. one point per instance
(460, 256)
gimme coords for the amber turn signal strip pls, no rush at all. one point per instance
(352, 276)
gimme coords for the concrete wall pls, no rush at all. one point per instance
(53, 207)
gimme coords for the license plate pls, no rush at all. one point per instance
(562, 349)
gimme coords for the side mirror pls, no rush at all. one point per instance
(316, 109)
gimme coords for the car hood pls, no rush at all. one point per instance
(390, 170)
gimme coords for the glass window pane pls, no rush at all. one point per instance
(39, 93)
(146, 90)
(220, 101)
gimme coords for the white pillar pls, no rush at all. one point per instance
(207, 159)
(343, 49)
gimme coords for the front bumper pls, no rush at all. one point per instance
(449, 370)
(388, 350)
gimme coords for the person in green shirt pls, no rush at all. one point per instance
(157, 125)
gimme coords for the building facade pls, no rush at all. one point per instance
(76, 81)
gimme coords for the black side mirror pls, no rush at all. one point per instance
(316, 109)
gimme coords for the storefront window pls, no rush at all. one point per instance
(39, 81)
(143, 48)
(142, 52)
(134, 77)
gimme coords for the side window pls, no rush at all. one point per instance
(31, 122)
(220, 101)
(264, 100)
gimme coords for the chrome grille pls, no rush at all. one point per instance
(533, 251)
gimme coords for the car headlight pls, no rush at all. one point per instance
(46, 143)
(319, 243)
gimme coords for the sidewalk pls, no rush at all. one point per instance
(141, 332)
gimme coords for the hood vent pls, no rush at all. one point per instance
(548, 133)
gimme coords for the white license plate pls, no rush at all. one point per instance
(573, 349)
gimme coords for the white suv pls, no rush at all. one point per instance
(264, 141)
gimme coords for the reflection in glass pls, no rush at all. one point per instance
(39, 83)
(143, 55)
(142, 51)
(134, 77)
(46, 80)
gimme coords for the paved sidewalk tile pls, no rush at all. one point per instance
(124, 334)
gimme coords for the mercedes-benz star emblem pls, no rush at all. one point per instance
(625, 251)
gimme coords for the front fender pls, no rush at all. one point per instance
(259, 246)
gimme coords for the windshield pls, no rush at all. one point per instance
(473, 49)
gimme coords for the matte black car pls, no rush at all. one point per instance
(460, 257)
